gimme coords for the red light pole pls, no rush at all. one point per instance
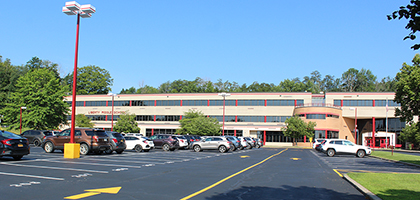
(21, 118)
(224, 95)
(112, 112)
(84, 11)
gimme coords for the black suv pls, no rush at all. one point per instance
(165, 141)
(36, 137)
(117, 142)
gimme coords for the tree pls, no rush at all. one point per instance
(411, 134)
(127, 124)
(297, 128)
(9, 75)
(411, 11)
(195, 123)
(83, 121)
(90, 80)
(387, 84)
(36, 63)
(354, 80)
(40, 91)
(408, 90)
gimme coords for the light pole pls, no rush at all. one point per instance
(21, 118)
(84, 11)
(355, 123)
(224, 95)
(112, 112)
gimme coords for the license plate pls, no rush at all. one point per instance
(20, 145)
(122, 140)
(105, 139)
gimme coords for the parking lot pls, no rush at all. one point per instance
(266, 173)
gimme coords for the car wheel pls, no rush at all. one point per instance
(109, 151)
(258, 146)
(49, 147)
(84, 149)
(197, 148)
(361, 153)
(17, 157)
(330, 152)
(222, 149)
(37, 143)
(138, 148)
(249, 146)
(165, 147)
(119, 151)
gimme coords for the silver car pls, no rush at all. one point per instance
(213, 143)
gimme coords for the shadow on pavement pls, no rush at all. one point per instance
(285, 192)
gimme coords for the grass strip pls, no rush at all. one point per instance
(397, 156)
(389, 186)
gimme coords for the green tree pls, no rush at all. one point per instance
(9, 75)
(411, 133)
(127, 124)
(411, 12)
(195, 123)
(408, 90)
(90, 80)
(40, 91)
(297, 128)
(387, 84)
(83, 121)
(36, 63)
(354, 80)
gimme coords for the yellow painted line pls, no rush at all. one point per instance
(229, 177)
(83, 195)
(244, 156)
(295, 158)
(338, 173)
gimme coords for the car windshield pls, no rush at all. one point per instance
(117, 135)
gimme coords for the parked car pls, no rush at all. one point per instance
(317, 143)
(139, 143)
(35, 136)
(260, 143)
(190, 139)
(213, 142)
(90, 140)
(182, 142)
(235, 141)
(13, 145)
(165, 141)
(341, 146)
(244, 143)
(117, 142)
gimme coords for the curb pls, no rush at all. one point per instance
(396, 161)
(362, 189)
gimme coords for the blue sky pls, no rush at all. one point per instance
(151, 42)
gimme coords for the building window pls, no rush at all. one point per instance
(116, 117)
(168, 118)
(143, 103)
(94, 103)
(333, 116)
(250, 118)
(96, 117)
(239, 133)
(119, 103)
(290, 102)
(194, 103)
(332, 134)
(315, 116)
(319, 134)
(276, 136)
(220, 103)
(277, 118)
(382, 103)
(337, 102)
(357, 102)
(253, 102)
(144, 118)
(228, 118)
(168, 103)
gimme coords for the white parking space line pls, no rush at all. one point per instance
(129, 161)
(99, 164)
(58, 168)
(32, 176)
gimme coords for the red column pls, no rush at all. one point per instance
(73, 106)
(304, 139)
(373, 131)
(234, 132)
(264, 138)
(181, 103)
(152, 131)
(326, 134)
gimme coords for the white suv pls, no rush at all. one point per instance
(341, 146)
(139, 143)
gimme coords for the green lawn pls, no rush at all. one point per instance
(397, 156)
(390, 186)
